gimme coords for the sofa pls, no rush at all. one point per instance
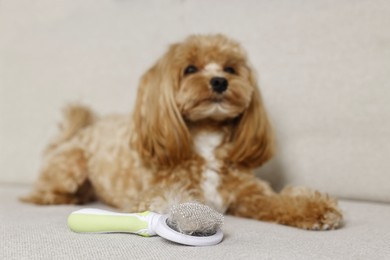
(39, 232)
(323, 70)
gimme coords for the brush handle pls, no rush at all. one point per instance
(97, 220)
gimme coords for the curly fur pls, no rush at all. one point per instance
(183, 142)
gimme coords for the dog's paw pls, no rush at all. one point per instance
(314, 210)
(328, 221)
(49, 198)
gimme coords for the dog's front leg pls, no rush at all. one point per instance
(297, 207)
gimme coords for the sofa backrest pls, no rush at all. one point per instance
(324, 72)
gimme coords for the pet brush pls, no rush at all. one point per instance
(188, 223)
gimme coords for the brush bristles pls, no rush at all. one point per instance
(194, 219)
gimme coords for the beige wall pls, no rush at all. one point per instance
(324, 72)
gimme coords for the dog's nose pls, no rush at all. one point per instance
(219, 84)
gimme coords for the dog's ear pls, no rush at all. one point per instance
(160, 133)
(252, 138)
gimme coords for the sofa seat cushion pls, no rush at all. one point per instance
(40, 232)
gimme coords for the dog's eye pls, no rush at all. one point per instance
(190, 70)
(229, 70)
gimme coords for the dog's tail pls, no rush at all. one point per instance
(76, 117)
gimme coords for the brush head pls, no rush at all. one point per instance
(194, 219)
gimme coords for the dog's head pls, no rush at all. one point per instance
(206, 77)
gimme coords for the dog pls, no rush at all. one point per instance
(198, 130)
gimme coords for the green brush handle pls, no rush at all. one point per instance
(96, 220)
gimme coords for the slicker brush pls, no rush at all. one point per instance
(188, 223)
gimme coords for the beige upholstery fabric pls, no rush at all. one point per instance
(33, 232)
(324, 72)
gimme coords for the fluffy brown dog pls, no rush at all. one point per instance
(198, 129)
